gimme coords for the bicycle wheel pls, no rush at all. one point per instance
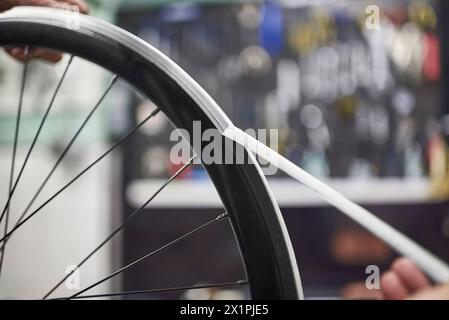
(263, 240)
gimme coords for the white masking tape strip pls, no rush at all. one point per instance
(428, 262)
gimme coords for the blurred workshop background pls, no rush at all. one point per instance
(365, 107)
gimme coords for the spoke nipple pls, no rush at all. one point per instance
(222, 216)
(155, 112)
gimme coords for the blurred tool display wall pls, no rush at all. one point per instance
(350, 101)
(358, 107)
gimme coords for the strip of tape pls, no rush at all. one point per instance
(429, 263)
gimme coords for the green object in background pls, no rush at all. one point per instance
(57, 126)
(104, 9)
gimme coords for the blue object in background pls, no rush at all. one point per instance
(199, 173)
(180, 12)
(271, 28)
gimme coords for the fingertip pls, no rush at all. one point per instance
(51, 57)
(392, 287)
(411, 275)
(84, 8)
(402, 263)
(386, 279)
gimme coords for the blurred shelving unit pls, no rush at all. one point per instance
(201, 194)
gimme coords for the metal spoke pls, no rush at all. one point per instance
(239, 283)
(14, 152)
(125, 222)
(130, 133)
(152, 253)
(38, 132)
(67, 148)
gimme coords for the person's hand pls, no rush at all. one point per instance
(20, 53)
(405, 280)
(63, 4)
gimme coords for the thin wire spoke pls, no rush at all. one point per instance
(152, 253)
(125, 222)
(130, 133)
(38, 132)
(14, 152)
(67, 148)
(239, 283)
